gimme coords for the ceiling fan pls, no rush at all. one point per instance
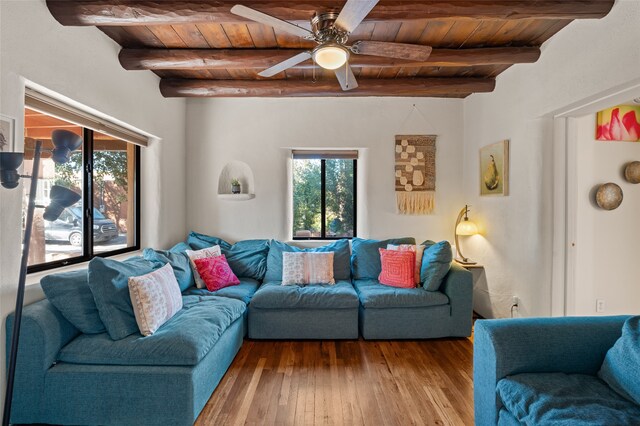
(331, 31)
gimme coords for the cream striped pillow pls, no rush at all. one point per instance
(307, 268)
(155, 298)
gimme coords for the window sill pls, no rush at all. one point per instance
(35, 277)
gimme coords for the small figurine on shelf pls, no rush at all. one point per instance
(235, 186)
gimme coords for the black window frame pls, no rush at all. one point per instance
(323, 205)
(87, 207)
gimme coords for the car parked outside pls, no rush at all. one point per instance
(68, 227)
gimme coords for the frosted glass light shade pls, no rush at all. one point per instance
(331, 57)
(466, 227)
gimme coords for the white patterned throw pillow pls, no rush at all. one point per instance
(155, 298)
(201, 254)
(418, 249)
(307, 268)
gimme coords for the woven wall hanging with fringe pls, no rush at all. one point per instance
(415, 173)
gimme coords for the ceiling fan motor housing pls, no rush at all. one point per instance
(322, 25)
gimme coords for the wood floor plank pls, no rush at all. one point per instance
(352, 382)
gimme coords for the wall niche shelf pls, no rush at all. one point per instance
(236, 197)
(236, 170)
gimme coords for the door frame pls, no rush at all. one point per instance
(565, 145)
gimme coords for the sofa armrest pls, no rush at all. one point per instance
(504, 347)
(43, 332)
(458, 286)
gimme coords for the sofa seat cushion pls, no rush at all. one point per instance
(273, 295)
(375, 295)
(243, 291)
(183, 340)
(565, 399)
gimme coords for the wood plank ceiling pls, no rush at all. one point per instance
(199, 48)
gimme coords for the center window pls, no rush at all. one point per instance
(324, 194)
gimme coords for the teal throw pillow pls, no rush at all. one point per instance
(247, 259)
(621, 366)
(199, 241)
(365, 256)
(179, 261)
(341, 254)
(436, 262)
(109, 284)
(69, 292)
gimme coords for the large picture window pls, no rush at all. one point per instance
(105, 171)
(324, 194)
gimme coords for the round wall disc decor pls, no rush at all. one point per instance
(609, 196)
(632, 172)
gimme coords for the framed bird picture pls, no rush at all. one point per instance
(494, 169)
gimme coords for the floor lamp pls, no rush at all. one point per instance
(64, 143)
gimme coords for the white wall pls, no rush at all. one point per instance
(258, 131)
(585, 58)
(606, 241)
(82, 64)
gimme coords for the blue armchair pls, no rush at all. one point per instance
(507, 347)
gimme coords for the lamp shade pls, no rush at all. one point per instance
(9, 163)
(64, 143)
(330, 57)
(61, 198)
(466, 227)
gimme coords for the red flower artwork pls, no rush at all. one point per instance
(626, 128)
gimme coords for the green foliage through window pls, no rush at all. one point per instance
(339, 198)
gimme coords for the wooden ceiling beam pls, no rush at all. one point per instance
(175, 12)
(193, 59)
(416, 87)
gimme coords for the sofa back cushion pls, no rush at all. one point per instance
(365, 256)
(177, 258)
(247, 259)
(155, 298)
(340, 249)
(109, 284)
(436, 262)
(621, 366)
(69, 292)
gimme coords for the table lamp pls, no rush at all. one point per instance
(464, 226)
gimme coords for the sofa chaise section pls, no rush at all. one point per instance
(133, 381)
(414, 313)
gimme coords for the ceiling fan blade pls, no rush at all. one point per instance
(295, 60)
(345, 77)
(411, 52)
(263, 18)
(353, 13)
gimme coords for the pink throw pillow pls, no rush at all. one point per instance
(216, 272)
(398, 268)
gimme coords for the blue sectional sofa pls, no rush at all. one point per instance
(70, 370)
(547, 371)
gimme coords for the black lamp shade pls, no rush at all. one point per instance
(64, 143)
(61, 198)
(9, 163)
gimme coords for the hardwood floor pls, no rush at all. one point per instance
(346, 383)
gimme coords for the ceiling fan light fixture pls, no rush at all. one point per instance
(330, 56)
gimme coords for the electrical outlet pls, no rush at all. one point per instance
(515, 301)
(599, 305)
